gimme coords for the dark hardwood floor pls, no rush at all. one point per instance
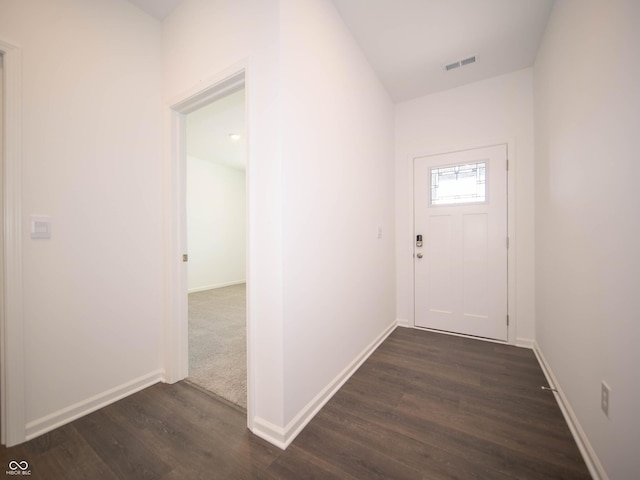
(423, 406)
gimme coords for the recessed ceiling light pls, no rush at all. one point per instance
(234, 137)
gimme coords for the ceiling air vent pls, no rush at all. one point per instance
(460, 63)
(468, 61)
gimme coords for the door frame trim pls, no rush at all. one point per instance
(176, 351)
(511, 231)
(12, 388)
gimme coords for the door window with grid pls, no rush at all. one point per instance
(456, 184)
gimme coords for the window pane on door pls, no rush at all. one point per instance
(459, 184)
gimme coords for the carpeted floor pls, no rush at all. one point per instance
(217, 342)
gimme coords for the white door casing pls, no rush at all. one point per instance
(176, 338)
(12, 389)
(460, 281)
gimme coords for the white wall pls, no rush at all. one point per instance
(91, 159)
(216, 218)
(337, 189)
(320, 182)
(497, 110)
(587, 90)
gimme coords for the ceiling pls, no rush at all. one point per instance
(409, 42)
(209, 127)
(157, 8)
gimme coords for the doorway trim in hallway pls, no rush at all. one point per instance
(13, 418)
(176, 337)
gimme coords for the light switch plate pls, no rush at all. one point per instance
(40, 227)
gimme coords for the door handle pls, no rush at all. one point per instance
(419, 255)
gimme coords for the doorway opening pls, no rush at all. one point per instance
(205, 93)
(216, 247)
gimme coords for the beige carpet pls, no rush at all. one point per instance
(217, 342)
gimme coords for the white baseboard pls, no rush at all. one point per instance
(217, 285)
(403, 322)
(590, 458)
(524, 343)
(84, 407)
(282, 437)
(273, 434)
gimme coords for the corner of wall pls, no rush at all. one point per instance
(282, 437)
(403, 322)
(525, 343)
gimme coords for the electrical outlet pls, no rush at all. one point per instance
(605, 398)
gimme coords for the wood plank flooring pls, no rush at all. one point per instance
(423, 406)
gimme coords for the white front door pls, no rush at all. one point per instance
(460, 242)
